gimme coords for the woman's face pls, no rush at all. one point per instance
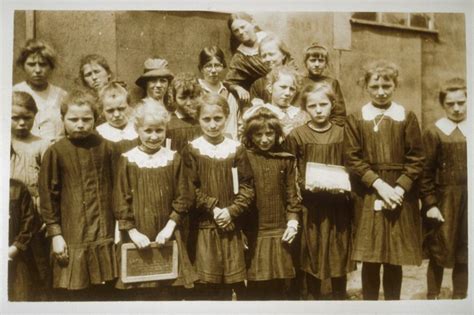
(37, 70)
(156, 88)
(271, 55)
(212, 70)
(95, 75)
(244, 32)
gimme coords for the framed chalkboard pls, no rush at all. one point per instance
(150, 264)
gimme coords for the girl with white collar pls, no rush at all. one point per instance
(384, 154)
(444, 191)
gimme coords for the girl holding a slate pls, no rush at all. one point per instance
(152, 200)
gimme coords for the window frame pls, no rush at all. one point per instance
(407, 26)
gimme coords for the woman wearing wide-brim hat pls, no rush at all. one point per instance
(155, 81)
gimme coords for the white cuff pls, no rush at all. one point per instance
(293, 224)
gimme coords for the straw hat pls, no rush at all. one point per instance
(154, 68)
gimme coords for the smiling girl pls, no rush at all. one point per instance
(152, 200)
(384, 154)
(222, 181)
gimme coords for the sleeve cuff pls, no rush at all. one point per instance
(429, 201)
(210, 204)
(53, 230)
(125, 225)
(369, 178)
(291, 216)
(405, 182)
(175, 217)
(19, 245)
(233, 211)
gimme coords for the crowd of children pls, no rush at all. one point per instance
(267, 188)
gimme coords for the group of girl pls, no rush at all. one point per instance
(231, 181)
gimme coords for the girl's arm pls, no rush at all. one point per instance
(414, 157)
(184, 195)
(353, 155)
(29, 221)
(201, 201)
(293, 207)
(123, 210)
(428, 182)
(246, 192)
(49, 187)
(338, 113)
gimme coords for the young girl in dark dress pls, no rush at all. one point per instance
(220, 176)
(151, 201)
(316, 60)
(326, 237)
(23, 275)
(184, 91)
(444, 191)
(75, 187)
(273, 224)
(384, 153)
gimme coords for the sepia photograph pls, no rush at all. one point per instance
(214, 157)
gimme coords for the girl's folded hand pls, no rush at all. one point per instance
(140, 240)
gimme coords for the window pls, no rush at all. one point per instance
(423, 22)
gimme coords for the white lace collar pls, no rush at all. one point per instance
(222, 150)
(252, 51)
(115, 135)
(447, 126)
(395, 111)
(158, 159)
(204, 86)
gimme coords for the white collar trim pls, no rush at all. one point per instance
(291, 111)
(447, 126)
(222, 150)
(158, 159)
(115, 135)
(395, 111)
(252, 51)
(222, 88)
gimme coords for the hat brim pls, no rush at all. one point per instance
(158, 73)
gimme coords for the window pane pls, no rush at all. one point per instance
(395, 18)
(420, 20)
(370, 16)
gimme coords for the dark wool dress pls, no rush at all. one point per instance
(326, 238)
(24, 222)
(395, 154)
(244, 70)
(338, 112)
(76, 202)
(276, 202)
(181, 132)
(149, 191)
(219, 255)
(445, 186)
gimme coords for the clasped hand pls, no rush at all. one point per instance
(391, 196)
(223, 219)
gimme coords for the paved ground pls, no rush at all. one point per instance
(413, 285)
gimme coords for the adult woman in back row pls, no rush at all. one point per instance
(38, 60)
(245, 66)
